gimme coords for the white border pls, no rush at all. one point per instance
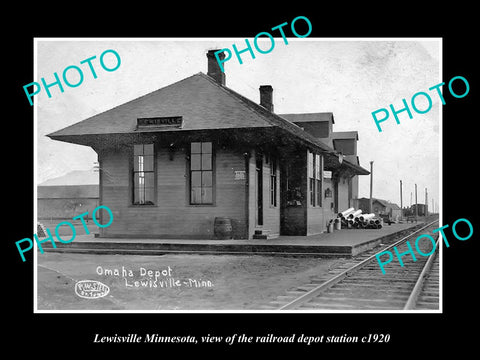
(35, 181)
(440, 189)
(439, 203)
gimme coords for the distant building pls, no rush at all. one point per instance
(422, 209)
(380, 207)
(67, 196)
(394, 210)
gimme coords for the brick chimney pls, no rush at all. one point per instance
(266, 97)
(214, 70)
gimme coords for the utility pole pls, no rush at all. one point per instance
(426, 202)
(401, 202)
(416, 203)
(371, 185)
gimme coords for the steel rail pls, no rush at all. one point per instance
(412, 299)
(337, 278)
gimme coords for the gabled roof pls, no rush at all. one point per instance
(203, 104)
(382, 202)
(394, 206)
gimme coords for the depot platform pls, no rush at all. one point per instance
(340, 243)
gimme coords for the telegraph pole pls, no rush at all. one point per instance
(426, 202)
(401, 202)
(416, 203)
(371, 185)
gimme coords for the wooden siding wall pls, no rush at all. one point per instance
(172, 216)
(315, 220)
(343, 203)
(328, 203)
(355, 187)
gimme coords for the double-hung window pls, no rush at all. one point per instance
(201, 173)
(315, 179)
(143, 174)
(318, 177)
(311, 178)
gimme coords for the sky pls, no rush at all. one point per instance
(349, 77)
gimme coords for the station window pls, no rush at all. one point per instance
(311, 178)
(315, 179)
(201, 173)
(143, 174)
(318, 177)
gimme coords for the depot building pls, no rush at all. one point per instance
(176, 160)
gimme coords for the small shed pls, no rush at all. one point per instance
(380, 207)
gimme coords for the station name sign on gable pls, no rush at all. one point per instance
(160, 122)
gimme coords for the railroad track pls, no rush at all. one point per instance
(428, 298)
(358, 284)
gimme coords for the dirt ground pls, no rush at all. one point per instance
(174, 282)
